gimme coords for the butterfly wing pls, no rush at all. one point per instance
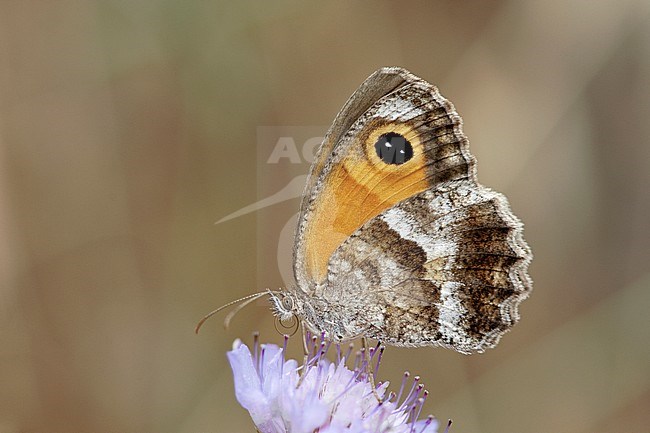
(446, 267)
(350, 184)
(375, 87)
(408, 249)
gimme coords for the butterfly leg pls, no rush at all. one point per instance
(305, 349)
(367, 360)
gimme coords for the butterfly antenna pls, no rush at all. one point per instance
(228, 318)
(247, 300)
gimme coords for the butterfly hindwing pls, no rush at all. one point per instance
(445, 267)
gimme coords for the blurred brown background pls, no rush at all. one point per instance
(127, 128)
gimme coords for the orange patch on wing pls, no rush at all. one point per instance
(358, 189)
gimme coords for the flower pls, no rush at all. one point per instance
(322, 396)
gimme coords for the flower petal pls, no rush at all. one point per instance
(248, 387)
(326, 397)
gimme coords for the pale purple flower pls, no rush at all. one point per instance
(322, 396)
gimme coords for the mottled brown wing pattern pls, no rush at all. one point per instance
(446, 267)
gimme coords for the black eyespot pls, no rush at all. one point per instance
(393, 148)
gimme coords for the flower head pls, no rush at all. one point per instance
(322, 396)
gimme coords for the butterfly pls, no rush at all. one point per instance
(396, 239)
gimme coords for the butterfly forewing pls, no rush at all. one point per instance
(356, 183)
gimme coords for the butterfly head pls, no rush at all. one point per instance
(284, 305)
(317, 317)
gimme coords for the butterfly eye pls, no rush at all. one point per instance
(393, 148)
(287, 303)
